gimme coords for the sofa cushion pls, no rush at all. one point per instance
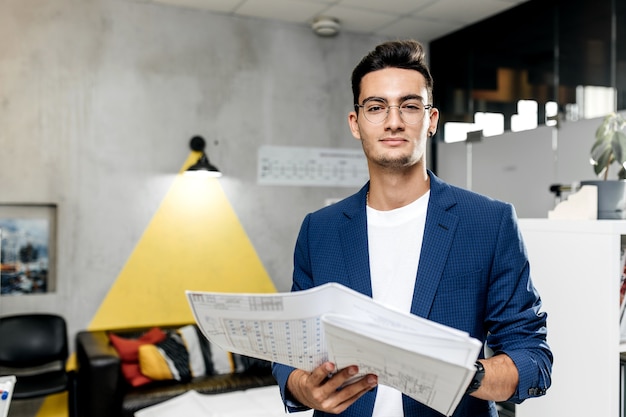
(184, 354)
(128, 348)
(133, 374)
(174, 354)
(197, 345)
(128, 351)
(168, 359)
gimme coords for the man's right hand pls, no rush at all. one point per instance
(324, 390)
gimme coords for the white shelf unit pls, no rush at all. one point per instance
(575, 266)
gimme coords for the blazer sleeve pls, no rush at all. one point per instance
(517, 326)
(301, 280)
(281, 373)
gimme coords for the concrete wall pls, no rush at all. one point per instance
(98, 101)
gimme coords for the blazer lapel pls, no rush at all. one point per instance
(354, 244)
(438, 235)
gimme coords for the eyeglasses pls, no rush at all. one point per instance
(376, 110)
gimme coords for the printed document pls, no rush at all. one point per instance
(427, 361)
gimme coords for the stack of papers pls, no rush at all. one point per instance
(427, 361)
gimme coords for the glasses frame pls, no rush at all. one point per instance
(358, 106)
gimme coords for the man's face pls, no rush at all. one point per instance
(393, 143)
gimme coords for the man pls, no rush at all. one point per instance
(410, 240)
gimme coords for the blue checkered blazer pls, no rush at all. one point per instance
(473, 275)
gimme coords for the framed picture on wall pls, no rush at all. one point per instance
(27, 249)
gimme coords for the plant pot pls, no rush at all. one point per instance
(611, 198)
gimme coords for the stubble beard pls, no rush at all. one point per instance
(403, 161)
(399, 162)
(393, 161)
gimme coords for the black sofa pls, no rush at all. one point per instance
(102, 390)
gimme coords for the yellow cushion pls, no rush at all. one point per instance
(153, 364)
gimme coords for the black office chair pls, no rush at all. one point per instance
(34, 347)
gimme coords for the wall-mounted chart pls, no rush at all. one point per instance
(324, 167)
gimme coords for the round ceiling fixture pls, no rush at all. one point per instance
(325, 26)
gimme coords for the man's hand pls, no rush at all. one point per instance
(323, 390)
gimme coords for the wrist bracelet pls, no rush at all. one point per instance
(478, 378)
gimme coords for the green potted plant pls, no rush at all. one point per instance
(609, 151)
(610, 146)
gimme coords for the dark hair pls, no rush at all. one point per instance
(406, 54)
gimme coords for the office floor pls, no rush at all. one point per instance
(23, 408)
(55, 406)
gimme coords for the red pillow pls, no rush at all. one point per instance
(128, 348)
(133, 374)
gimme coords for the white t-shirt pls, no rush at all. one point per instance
(395, 243)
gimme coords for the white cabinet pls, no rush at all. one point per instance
(575, 266)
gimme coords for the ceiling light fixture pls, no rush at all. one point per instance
(203, 166)
(326, 26)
